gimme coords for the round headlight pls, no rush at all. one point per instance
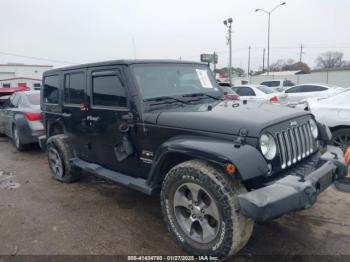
(314, 129)
(268, 146)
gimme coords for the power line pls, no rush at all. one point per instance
(38, 58)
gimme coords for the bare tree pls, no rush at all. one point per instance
(330, 59)
(289, 65)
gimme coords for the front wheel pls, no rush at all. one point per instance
(200, 207)
(341, 138)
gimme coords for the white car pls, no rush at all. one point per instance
(258, 93)
(335, 113)
(300, 93)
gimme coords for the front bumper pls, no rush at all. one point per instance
(294, 191)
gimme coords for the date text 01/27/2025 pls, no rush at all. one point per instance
(172, 258)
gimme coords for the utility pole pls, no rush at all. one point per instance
(268, 46)
(248, 73)
(263, 69)
(228, 24)
(214, 64)
(301, 53)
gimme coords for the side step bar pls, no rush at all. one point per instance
(138, 184)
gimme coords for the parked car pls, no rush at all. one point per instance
(20, 118)
(278, 85)
(335, 113)
(164, 126)
(225, 84)
(300, 93)
(229, 94)
(258, 93)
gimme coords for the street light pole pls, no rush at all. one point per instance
(268, 32)
(228, 24)
(268, 45)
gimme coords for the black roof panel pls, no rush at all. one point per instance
(120, 62)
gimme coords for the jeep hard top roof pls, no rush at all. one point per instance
(121, 62)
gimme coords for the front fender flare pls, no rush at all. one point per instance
(247, 159)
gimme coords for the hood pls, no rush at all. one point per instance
(226, 117)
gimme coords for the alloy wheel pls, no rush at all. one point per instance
(343, 141)
(196, 212)
(55, 162)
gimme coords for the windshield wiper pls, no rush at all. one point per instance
(164, 100)
(202, 94)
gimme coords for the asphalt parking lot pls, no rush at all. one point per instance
(41, 216)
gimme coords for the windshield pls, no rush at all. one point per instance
(265, 89)
(166, 80)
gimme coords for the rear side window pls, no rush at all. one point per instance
(34, 99)
(311, 88)
(14, 100)
(74, 86)
(51, 84)
(265, 89)
(107, 90)
(271, 83)
(288, 83)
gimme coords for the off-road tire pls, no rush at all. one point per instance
(235, 229)
(60, 143)
(342, 132)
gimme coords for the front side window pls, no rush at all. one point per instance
(108, 90)
(245, 91)
(296, 89)
(51, 85)
(74, 87)
(164, 80)
(6, 85)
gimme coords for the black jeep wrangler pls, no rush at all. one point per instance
(163, 126)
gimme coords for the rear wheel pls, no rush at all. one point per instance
(341, 138)
(17, 139)
(200, 207)
(59, 156)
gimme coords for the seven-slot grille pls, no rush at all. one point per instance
(294, 144)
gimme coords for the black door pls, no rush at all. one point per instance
(111, 143)
(74, 110)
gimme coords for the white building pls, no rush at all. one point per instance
(19, 75)
(332, 77)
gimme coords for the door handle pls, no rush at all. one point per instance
(66, 115)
